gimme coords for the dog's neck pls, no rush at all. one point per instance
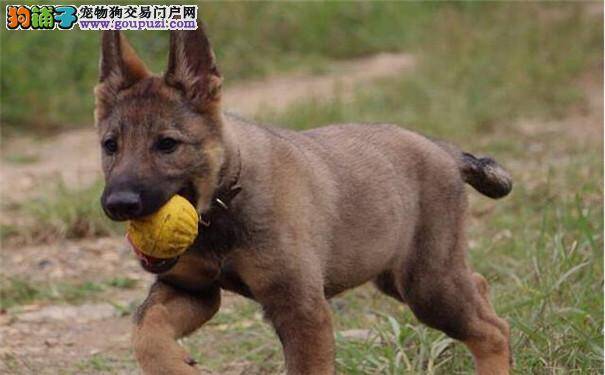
(228, 179)
(220, 229)
(230, 171)
(229, 182)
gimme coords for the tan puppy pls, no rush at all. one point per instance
(288, 219)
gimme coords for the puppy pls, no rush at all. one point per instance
(288, 219)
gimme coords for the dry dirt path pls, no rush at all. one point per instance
(44, 338)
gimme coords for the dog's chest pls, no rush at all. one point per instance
(230, 280)
(198, 271)
(193, 272)
(208, 261)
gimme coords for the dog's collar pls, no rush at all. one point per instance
(221, 201)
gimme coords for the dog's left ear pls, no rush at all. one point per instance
(192, 69)
(119, 68)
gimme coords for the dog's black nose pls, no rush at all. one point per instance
(123, 205)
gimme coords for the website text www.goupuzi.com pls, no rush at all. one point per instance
(138, 24)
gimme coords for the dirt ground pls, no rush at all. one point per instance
(42, 338)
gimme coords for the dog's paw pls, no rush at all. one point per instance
(190, 361)
(165, 358)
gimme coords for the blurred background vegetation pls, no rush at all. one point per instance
(47, 77)
(515, 80)
(474, 61)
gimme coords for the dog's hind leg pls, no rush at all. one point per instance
(166, 315)
(386, 283)
(484, 354)
(459, 306)
(444, 293)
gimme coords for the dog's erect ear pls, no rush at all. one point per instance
(120, 67)
(192, 68)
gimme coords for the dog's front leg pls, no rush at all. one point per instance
(166, 315)
(304, 326)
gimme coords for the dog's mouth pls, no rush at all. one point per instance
(161, 265)
(190, 193)
(152, 264)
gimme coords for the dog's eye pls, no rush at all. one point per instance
(167, 145)
(110, 146)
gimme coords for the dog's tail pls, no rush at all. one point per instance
(483, 173)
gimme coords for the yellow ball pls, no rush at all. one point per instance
(166, 233)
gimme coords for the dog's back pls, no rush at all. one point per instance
(360, 193)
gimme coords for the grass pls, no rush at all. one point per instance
(103, 364)
(250, 39)
(21, 159)
(64, 213)
(237, 337)
(17, 291)
(96, 362)
(475, 72)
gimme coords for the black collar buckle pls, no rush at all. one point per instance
(220, 202)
